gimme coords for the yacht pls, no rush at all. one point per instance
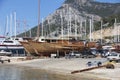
(12, 45)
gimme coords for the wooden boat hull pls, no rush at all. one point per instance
(45, 48)
(28, 48)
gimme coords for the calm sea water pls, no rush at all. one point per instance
(12, 72)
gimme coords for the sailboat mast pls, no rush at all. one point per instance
(115, 31)
(75, 27)
(68, 21)
(10, 25)
(62, 25)
(38, 28)
(85, 29)
(90, 30)
(81, 28)
(101, 31)
(42, 26)
(15, 23)
(6, 33)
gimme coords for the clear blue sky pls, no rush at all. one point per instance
(28, 10)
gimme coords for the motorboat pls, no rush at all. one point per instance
(5, 53)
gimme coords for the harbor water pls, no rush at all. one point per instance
(12, 72)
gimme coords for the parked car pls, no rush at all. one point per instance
(75, 54)
(114, 56)
(87, 54)
(4, 58)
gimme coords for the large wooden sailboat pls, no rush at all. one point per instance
(46, 46)
(54, 46)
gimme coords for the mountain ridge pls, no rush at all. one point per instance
(78, 11)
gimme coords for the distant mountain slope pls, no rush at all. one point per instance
(73, 13)
(93, 7)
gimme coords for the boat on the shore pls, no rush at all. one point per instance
(47, 46)
(44, 45)
(12, 45)
(6, 53)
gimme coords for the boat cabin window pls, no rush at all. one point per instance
(27, 38)
(8, 41)
(42, 39)
(54, 41)
(51, 41)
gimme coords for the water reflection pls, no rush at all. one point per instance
(12, 72)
